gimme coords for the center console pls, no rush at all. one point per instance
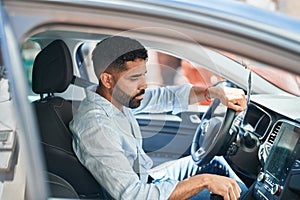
(280, 178)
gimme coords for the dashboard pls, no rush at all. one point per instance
(266, 150)
(256, 121)
(279, 177)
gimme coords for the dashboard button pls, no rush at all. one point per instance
(275, 189)
(261, 177)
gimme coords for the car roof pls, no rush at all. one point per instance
(240, 10)
(235, 9)
(211, 23)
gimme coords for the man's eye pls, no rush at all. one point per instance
(134, 78)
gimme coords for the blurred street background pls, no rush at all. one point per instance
(288, 7)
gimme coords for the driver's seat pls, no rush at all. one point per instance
(53, 73)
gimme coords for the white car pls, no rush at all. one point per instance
(45, 66)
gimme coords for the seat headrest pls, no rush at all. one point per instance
(52, 69)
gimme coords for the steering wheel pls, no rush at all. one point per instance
(212, 136)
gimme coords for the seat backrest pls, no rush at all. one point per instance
(59, 188)
(53, 73)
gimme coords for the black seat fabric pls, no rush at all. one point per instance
(60, 188)
(53, 73)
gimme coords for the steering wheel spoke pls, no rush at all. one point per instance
(212, 136)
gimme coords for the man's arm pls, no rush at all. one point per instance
(221, 185)
(231, 97)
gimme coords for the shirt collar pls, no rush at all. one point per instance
(100, 101)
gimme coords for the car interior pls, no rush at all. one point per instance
(46, 67)
(252, 134)
(54, 113)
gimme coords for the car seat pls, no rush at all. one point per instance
(53, 73)
(60, 188)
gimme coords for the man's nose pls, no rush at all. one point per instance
(142, 83)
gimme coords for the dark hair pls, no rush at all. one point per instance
(113, 52)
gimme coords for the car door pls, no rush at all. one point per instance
(21, 165)
(167, 136)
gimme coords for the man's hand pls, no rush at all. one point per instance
(231, 97)
(221, 185)
(224, 186)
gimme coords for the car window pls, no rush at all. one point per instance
(29, 51)
(84, 61)
(211, 67)
(163, 69)
(166, 69)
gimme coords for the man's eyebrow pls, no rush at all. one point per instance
(138, 75)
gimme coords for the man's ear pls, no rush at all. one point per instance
(106, 79)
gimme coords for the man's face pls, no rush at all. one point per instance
(131, 84)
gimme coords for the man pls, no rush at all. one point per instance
(108, 141)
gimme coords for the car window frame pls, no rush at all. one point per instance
(27, 130)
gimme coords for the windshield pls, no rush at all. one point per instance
(284, 80)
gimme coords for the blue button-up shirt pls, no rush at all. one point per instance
(109, 142)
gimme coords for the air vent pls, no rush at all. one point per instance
(274, 133)
(266, 147)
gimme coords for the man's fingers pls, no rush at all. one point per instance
(237, 191)
(237, 103)
(235, 107)
(226, 187)
(233, 191)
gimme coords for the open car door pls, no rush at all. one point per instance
(21, 174)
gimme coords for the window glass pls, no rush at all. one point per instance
(84, 61)
(165, 69)
(287, 81)
(29, 51)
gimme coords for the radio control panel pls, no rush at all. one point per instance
(280, 178)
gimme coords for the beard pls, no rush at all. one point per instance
(125, 99)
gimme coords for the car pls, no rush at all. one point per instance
(46, 66)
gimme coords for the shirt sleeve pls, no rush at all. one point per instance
(106, 160)
(165, 99)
